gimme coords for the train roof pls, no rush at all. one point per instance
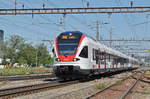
(116, 52)
(112, 51)
(73, 32)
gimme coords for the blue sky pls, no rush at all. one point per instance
(31, 29)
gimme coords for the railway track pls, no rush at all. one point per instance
(25, 90)
(112, 88)
(26, 77)
(131, 87)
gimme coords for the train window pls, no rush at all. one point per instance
(97, 56)
(102, 56)
(94, 55)
(102, 61)
(84, 52)
(53, 52)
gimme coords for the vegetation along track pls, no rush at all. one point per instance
(25, 90)
(120, 89)
(26, 77)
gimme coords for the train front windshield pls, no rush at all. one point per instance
(67, 43)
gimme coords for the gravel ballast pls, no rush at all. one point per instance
(76, 91)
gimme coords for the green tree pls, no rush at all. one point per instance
(27, 55)
(17, 51)
(16, 42)
(43, 55)
(12, 47)
(22, 61)
(49, 60)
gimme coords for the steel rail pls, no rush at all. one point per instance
(24, 90)
(26, 77)
(90, 96)
(132, 86)
(145, 81)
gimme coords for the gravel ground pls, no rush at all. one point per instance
(141, 90)
(26, 75)
(115, 92)
(12, 84)
(76, 91)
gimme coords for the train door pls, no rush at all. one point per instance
(98, 59)
(84, 57)
(93, 58)
(105, 60)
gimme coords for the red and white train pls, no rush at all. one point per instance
(78, 55)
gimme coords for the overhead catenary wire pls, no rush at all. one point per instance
(44, 18)
(129, 24)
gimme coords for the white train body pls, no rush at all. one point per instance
(77, 54)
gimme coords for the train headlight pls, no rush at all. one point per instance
(57, 59)
(76, 59)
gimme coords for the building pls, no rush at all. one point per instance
(1, 35)
(1, 40)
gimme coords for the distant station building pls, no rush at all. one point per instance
(1, 35)
(1, 40)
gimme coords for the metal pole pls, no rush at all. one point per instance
(64, 21)
(36, 57)
(97, 30)
(51, 43)
(60, 26)
(15, 6)
(110, 36)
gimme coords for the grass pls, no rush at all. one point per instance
(21, 71)
(148, 74)
(100, 86)
(119, 82)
